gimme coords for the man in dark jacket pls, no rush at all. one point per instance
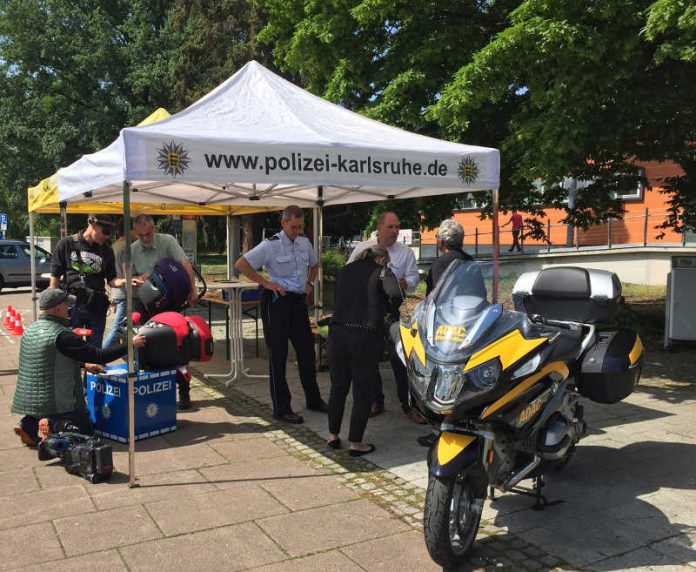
(83, 264)
(49, 390)
(450, 238)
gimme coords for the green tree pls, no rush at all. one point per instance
(589, 92)
(387, 59)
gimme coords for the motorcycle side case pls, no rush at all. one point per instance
(168, 342)
(201, 339)
(611, 368)
(568, 293)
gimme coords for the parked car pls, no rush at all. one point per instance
(15, 264)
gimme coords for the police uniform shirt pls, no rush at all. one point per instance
(402, 261)
(286, 262)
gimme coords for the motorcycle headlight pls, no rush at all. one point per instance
(448, 384)
(485, 376)
(420, 377)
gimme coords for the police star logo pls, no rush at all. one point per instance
(172, 159)
(106, 411)
(151, 410)
(468, 170)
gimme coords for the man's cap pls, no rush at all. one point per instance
(101, 220)
(51, 297)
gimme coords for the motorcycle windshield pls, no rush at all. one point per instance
(457, 313)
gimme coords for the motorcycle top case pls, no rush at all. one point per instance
(568, 293)
(606, 373)
(174, 340)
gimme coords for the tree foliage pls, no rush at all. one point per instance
(564, 88)
(74, 72)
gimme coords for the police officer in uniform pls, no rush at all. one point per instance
(291, 264)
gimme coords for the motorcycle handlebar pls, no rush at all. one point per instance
(539, 319)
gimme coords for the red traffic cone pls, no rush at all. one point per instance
(8, 316)
(19, 327)
(11, 325)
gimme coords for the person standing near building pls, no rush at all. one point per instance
(83, 264)
(366, 291)
(291, 264)
(516, 221)
(403, 265)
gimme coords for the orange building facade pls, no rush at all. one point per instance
(644, 213)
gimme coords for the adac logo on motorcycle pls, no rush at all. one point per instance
(450, 334)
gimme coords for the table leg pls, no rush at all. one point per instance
(233, 373)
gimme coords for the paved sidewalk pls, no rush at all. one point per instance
(233, 490)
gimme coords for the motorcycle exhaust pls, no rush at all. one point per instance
(516, 478)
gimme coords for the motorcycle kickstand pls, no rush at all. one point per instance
(540, 501)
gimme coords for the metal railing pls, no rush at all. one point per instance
(631, 231)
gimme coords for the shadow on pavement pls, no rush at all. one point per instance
(608, 510)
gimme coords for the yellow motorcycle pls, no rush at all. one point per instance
(504, 387)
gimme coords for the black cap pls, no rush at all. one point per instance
(101, 220)
(51, 297)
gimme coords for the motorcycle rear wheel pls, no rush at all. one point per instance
(451, 519)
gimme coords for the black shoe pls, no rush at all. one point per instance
(184, 403)
(358, 453)
(321, 407)
(290, 417)
(427, 440)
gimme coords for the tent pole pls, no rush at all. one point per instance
(233, 246)
(32, 253)
(318, 235)
(132, 373)
(63, 219)
(496, 243)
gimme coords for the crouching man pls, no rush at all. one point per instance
(49, 391)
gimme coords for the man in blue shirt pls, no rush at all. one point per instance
(291, 264)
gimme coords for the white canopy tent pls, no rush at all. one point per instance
(257, 137)
(258, 140)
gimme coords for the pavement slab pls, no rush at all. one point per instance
(107, 560)
(227, 548)
(26, 545)
(105, 529)
(403, 551)
(333, 561)
(331, 526)
(236, 504)
(46, 505)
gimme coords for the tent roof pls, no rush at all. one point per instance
(44, 197)
(258, 140)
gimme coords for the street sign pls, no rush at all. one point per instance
(3, 221)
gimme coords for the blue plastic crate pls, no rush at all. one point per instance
(155, 403)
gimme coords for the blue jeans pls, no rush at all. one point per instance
(81, 317)
(119, 314)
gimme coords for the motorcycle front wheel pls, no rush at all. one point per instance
(451, 519)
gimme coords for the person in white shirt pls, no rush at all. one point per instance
(402, 260)
(403, 265)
